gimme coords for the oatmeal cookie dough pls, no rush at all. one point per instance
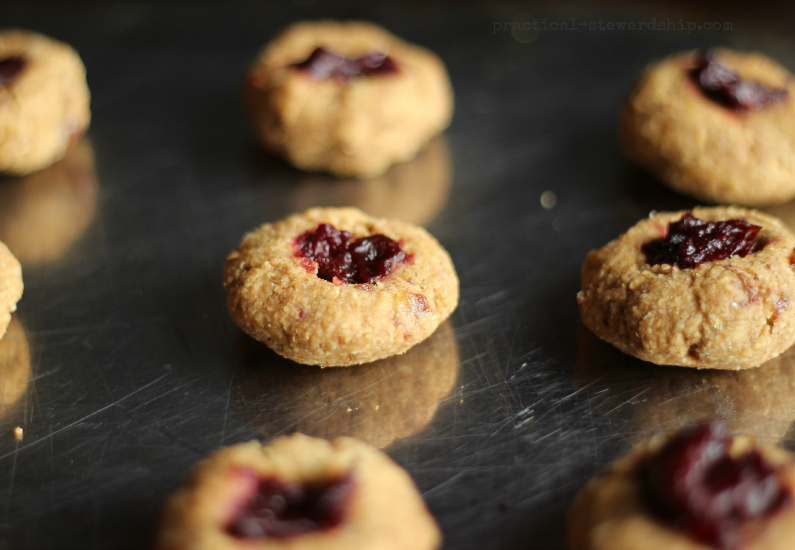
(275, 295)
(382, 509)
(44, 101)
(611, 513)
(356, 126)
(10, 286)
(704, 149)
(726, 314)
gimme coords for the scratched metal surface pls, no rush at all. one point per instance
(124, 368)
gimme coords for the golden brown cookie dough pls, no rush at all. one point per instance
(275, 297)
(379, 403)
(355, 127)
(610, 512)
(703, 149)
(413, 191)
(43, 213)
(727, 314)
(45, 108)
(10, 286)
(14, 366)
(383, 511)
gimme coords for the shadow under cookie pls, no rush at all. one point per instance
(377, 402)
(42, 214)
(15, 370)
(643, 399)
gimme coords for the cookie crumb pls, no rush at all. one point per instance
(18, 433)
(548, 200)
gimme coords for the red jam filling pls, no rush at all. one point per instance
(341, 260)
(10, 68)
(280, 510)
(322, 63)
(693, 483)
(724, 86)
(691, 242)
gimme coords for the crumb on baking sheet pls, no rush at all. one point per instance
(18, 433)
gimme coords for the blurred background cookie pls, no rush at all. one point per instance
(413, 191)
(43, 213)
(377, 402)
(347, 98)
(44, 101)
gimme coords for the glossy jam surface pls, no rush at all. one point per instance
(724, 86)
(10, 68)
(341, 260)
(279, 509)
(322, 63)
(696, 485)
(691, 242)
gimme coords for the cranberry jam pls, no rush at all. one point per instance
(696, 485)
(10, 68)
(280, 510)
(364, 260)
(691, 242)
(724, 86)
(322, 63)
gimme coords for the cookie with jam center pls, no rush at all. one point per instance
(336, 287)
(296, 493)
(718, 126)
(347, 98)
(731, 313)
(44, 101)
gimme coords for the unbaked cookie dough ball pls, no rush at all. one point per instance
(700, 489)
(44, 101)
(719, 127)
(347, 98)
(711, 288)
(335, 287)
(298, 493)
(10, 286)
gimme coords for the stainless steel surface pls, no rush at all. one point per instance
(137, 371)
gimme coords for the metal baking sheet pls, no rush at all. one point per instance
(124, 368)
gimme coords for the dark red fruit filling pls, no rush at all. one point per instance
(691, 242)
(724, 86)
(696, 485)
(338, 259)
(322, 63)
(280, 510)
(10, 67)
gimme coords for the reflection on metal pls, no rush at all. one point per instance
(42, 214)
(14, 366)
(378, 402)
(413, 191)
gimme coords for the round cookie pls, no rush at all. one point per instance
(702, 148)
(15, 370)
(348, 125)
(10, 286)
(43, 213)
(613, 512)
(276, 296)
(334, 495)
(378, 403)
(732, 313)
(44, 101)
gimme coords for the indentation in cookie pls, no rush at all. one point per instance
(698, 485)
(11, 68)
(322, 63)
(282, 509)
(691, 242)
(341, 260)
(724, 86)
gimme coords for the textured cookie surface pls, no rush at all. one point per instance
(384, 510)
(277, 300)
(610, 512)
(704, 149)
(726, 314)
(45, 108)
(357, 127)
(10, 286)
